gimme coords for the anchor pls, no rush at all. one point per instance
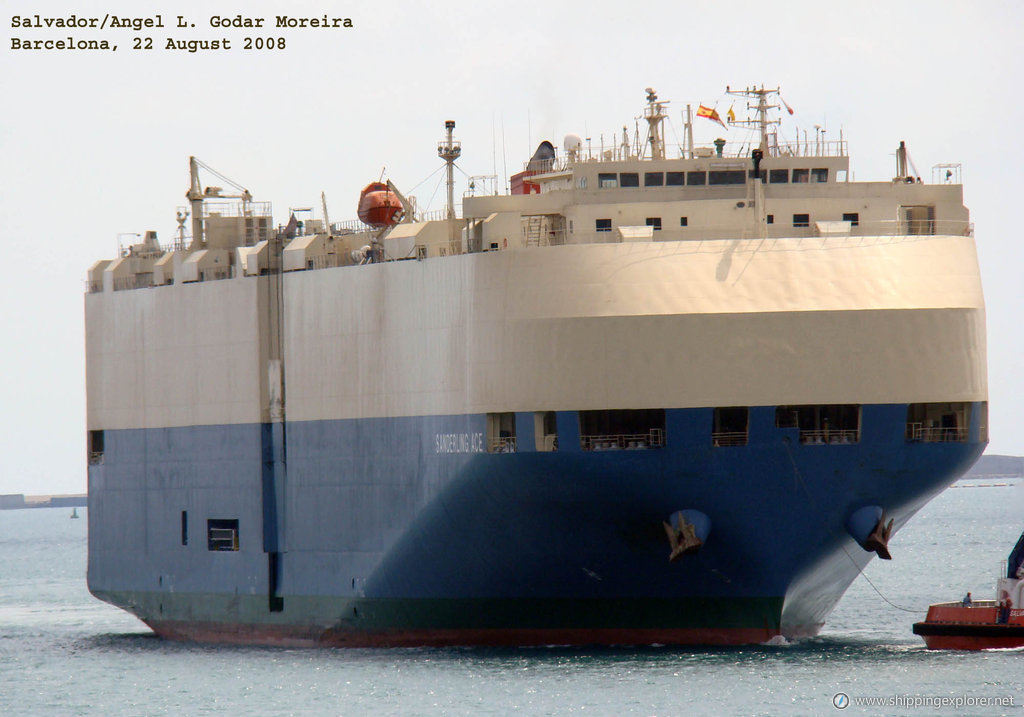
(878, 540)
(682, 537)
(869, 528)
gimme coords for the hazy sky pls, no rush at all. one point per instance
(97, 143)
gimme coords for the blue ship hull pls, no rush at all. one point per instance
(363, 533)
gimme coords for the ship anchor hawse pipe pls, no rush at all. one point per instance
(869, 528)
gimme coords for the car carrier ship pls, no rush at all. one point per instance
(641, 398)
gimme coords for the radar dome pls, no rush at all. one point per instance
(572, 143)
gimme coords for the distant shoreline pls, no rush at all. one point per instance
(19, 501)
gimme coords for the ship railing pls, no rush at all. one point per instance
(133, 281)
(974, 603)
(353, 226)
(830, 437)
(655, 438)
(228, 208)
(728, 438)
(503, 444)
(918, 433)
(733, 150)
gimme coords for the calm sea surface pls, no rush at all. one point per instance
(64, 652)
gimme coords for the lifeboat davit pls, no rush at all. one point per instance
(379, 206)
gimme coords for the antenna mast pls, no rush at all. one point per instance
(654, 113)
(762, 123)
(449, 150)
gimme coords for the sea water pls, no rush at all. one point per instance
(62, 652)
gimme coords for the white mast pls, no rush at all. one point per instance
(449, 150)
(654, 114)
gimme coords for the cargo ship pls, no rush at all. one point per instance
(653, 394)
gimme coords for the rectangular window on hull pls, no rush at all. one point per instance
(222, 534)
(938, 422)
(603, 225)
(95, 447)
(729, 427)
(501, 433)
(184, 527)
(622, 429)
(801, 220)
(545, 430)
(829, 424)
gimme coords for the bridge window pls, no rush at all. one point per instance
(622, 429)
(629, 179)
(820, 425)
(730, 426)
(607, 180)
(801, 176)
(696, 179)
(819, 176)
(778, 176)
(938, 422)
(675, 179)
(654, 179)
(727, 176)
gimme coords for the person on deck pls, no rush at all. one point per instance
(967, 602)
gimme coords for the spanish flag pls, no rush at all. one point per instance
(711, 114)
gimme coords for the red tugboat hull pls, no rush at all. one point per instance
(952, 626)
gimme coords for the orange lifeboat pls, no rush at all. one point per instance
(379, 206)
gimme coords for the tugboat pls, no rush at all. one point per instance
(981, 624)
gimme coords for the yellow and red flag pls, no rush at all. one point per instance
(711, 114)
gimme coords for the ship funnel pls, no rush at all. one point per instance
(868, 527)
